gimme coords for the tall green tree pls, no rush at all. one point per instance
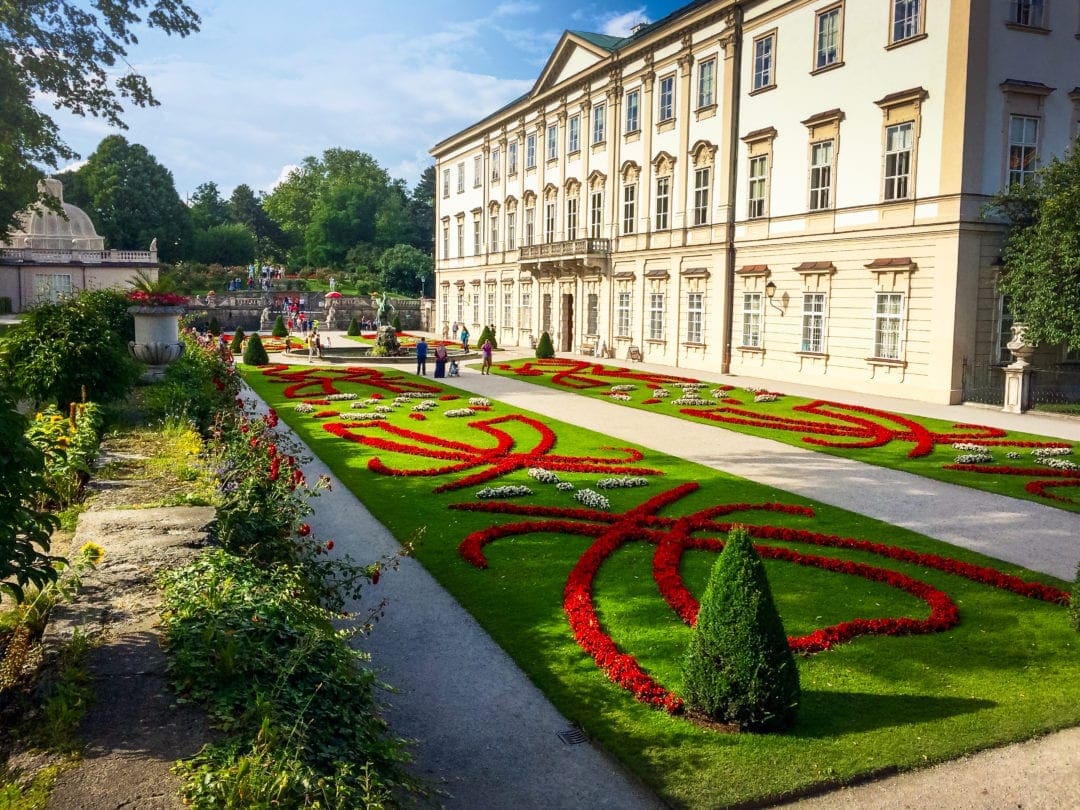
(245, 208)
(67, 50)
(131, 198)
(422, 211)
(405, 269)
(1042, 252)
(208, 208)
(231, 245)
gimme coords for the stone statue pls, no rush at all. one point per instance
(331, 317)
(331, 283)
(264, 318)
(384, 310)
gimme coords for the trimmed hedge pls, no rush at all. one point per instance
(255, 353)
(279, 330)
(544, 348)
(237, 344)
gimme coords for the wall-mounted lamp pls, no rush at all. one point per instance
(770, 291)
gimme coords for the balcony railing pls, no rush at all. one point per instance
(51, 256)
(562, 250)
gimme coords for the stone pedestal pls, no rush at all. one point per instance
(1018, 373)
(157, 338)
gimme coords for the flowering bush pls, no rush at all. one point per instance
(623, 482)
(454, 413)
(481, 401)
(766, 396)
(426, 405)
(564, 486)
(508, 491)
(692, 401)
(620, 397)
(141, 298)
(303, 407)
(592, 499)
(661, 393)
(974, 458)
(623, 388)
(336, 397)
(542, 475)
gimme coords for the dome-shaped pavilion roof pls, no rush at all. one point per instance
(42, 228)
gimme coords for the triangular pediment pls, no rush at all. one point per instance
(576, 51)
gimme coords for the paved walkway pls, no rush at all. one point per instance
(478, 719)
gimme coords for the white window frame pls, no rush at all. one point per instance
(656, 316)
(446, 240)
(571, 218)
(1023, 148)
(764, 61)
(757, 176)
(629, 214)
(596, 214)
(490, 311)
(633, 111)
(599, 124)
(828, 37)
(508, 307)
(695, 317)
(1028, 13)
(476, 307)
(702, 181)
(478, 171)
(623, 313)
(592, 314)
(511, 230)
(821, 174)
(530, 225)
(665, 99)
(494, 221)
(511, 158)
(898, 161)
(889, 326)
(549, 222)
(478, 237)
(573, 134)
(530, 151)
(663, 203)
(706, 83)
(52, 287)
(525, 307)
(461, 306)
(496, 160)
(751, 320)
(461, 178)
(813, 322)
(907, 20)
(552, 151)
(446, 182)
(461, 239)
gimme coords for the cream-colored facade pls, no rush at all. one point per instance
(783, 189)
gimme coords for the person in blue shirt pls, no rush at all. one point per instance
(421, 357)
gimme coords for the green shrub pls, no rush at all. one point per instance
(397, 323)
(237, 344)
(739, 668)
(279, 330)
(544, 349)
(255, 353)
(195, 388)
(215, 326)
(354, 328)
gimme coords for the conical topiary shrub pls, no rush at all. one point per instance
(214, 327)
(354, 328)
(254, 353)
(544, 349)
(739, 668)
(237, 344)
(397, 323)
(485, 334)
(279, 330)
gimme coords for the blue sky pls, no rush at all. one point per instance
(266, 83)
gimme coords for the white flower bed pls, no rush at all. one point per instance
(766, 396)
(1057, 463)
(564, 486)
(543, 476)
(684, 400)
(367, 403)
(480, 401)
(411, 395)
(304, 407)
(1051, 451)
(592, 499)
(623, 482)
(692, 386)
(974, 458)
(368, 417)
(455, 412)
(661, 393)
(968, 447)
(624, 388)
(620, 397)
(1013, 454)
(333, 397)
(426, 405)
(719, 393)
(503, 492)
(384, 409)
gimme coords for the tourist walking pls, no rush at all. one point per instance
(464, 339)
(485, 367)
(421, 357)
(440, 360)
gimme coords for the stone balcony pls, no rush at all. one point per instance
(53, 256)
(571, 255)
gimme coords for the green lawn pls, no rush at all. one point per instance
(896, 435)
(1007, 671)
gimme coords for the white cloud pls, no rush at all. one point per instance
(622, 24)
(511, 8)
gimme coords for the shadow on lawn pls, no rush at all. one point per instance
(827, 714)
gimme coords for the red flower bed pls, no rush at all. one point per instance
(419, 417)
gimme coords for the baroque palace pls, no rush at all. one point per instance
(787, 189)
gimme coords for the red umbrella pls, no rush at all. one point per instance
(334, 294)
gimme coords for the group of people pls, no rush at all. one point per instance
(442, 358)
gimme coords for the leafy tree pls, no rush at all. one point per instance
(255, 352)
(544, 349)
(422, 211)
(404, 269)
(1042, 252)
(208, 209)
(244, 208)
(24, 531)
(56, 349)
(237, 344)
(279, 330)
(739, 667)
(230, 245)
(131, 198)
(62, 50)
(354, 328)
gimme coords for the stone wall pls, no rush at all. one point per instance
(244, 309)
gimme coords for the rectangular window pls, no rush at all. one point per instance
(1023, 140)
(592, 314)
(476, 237)
(460, 307)
(758, 179)
(821, 157)
(549, 222)
(1004, 332)
(553, 142)
(530, 225)
(494, 232)
(545, 313)
(446, 240)
(906, 19)
(446, 182)
(898, 144)
(751, 320)
(666, 109)
(706, 83)
(663, 202)
(476, 307)
(701, 196)
(888, 320)
(525, 309)
(573, 134)
(571, 218)
(511, 230)
(763, 61)
(1026, 12)
(622, 314)
(490, 307)
(599, 124)
(827, 38)
(695, 317)
(596, 214)
(496, 160)
(508, 307)
(51, 287)
(511, 158)
(633, 100)
(656, 316)
(460, 239)
(446, 306)
(478, 170)
(813, 322)
(460, 178)
(629, 207)
(530, 151)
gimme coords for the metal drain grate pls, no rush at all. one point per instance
(573, 736)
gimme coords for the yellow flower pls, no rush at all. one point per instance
(92, 553)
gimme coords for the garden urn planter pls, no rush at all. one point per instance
(157, 338)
